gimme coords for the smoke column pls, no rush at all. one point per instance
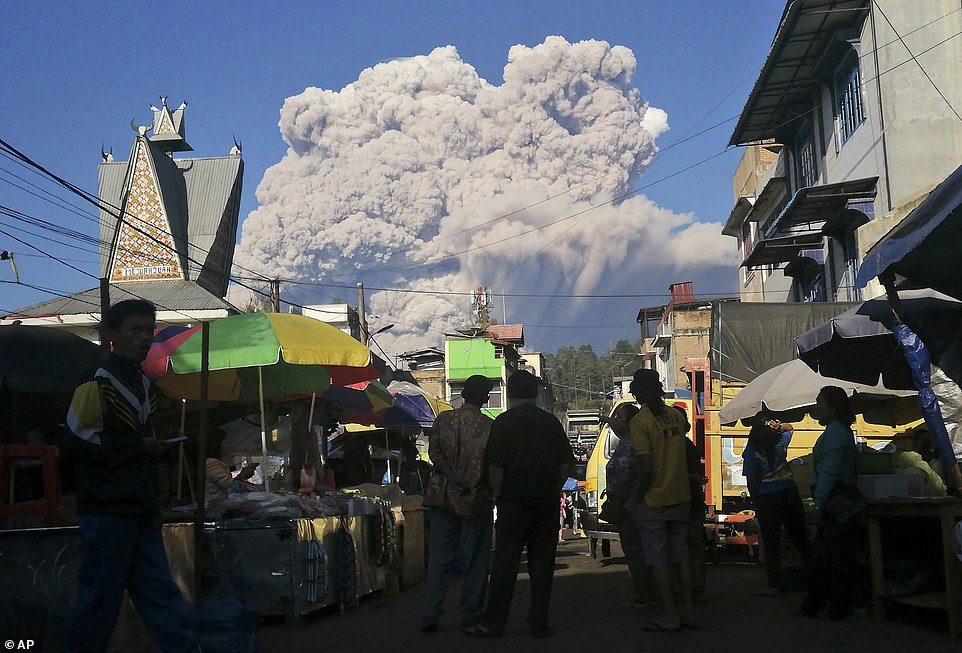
(406, 165)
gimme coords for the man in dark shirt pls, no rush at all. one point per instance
(528, 459)
(109, 436)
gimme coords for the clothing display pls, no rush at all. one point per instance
(347, 566)
(318, 585)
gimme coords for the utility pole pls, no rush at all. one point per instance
(104, 307)
(362, 313)
(276, 295)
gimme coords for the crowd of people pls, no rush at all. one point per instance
(515, 466)
(497, 480)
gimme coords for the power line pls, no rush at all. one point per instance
(96, 201)
(102, 204)
(661, 151)
(48, 291)
(93, 276)
(73, 260)
(917, 62)
(917, 29)
(552, 223)
(624, 195)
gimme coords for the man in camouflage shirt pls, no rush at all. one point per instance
(459, 507)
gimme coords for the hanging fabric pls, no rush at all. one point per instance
(318, 586)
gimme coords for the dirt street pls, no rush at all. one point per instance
(589, 615)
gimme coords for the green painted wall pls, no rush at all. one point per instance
(464, 358)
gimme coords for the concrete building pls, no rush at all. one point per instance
(859, 135)
(477, 351)
(494, 352)
(339, 316)
(620, 387)
(167, 228)
(426, 367)
(680, 336)
(535, 363)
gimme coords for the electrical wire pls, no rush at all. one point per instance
(93, 199)
(118, 287)
(917, 62)
(100, 203)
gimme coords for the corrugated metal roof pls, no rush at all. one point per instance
(166, 295)
(213, 188)
(213, 201)
(791, 72)
(110, 190)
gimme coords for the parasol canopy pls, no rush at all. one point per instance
(924, 246)
(45, 361)
(365, 397)
(859, 344)
(788, 392)
(278, 354)
(413, 408)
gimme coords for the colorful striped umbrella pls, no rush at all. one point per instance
(413, 408)
(277, 354)
(256, 356)
(366, 397)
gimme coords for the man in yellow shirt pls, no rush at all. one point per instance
(662, 504)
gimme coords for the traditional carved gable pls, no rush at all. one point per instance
(166, 125)
(145, 247)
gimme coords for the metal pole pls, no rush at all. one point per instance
(276, 295)
(362, 313)
(310, 417)
(104, 307)
(201, 461)
(180, 447)
(387, 446)
(260, 391)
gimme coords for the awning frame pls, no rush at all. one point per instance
(781, 249)
(819, 204)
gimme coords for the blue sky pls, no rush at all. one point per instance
(72, 76)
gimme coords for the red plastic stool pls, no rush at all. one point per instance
(49, 457)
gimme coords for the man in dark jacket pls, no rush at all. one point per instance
(529, 459)
(109, 437)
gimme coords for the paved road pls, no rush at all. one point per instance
(588, 616)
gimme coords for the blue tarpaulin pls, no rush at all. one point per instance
(924, 246)
(919, 361)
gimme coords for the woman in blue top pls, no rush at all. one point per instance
(774, 494)
(837, 499)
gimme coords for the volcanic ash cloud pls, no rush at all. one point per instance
(392, 178)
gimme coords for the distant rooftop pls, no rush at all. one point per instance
(509, 333)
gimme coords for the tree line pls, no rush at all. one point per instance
(582, 379)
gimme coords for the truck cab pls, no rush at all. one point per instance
(582, 428)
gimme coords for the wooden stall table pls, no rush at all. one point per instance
(944, 509)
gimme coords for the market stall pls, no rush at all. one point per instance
(924, 588)
(903, 342)
(288, 551)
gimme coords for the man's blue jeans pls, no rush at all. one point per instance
(126, 553)
(462, 542)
